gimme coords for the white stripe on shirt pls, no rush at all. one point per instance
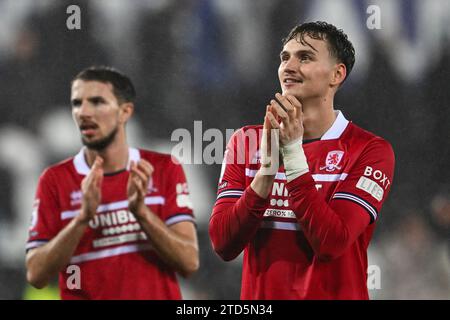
(89, 256)
(114, 206)
(292, 226)
(179, 218)
(317, 177)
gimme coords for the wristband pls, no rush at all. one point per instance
(294, 159)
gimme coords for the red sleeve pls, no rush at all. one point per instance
(178, 206)
(45, 218)
(332, 227)
(238, 210)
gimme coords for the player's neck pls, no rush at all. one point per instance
(115, 156)
(317, 119)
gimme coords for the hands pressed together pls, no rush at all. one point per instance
(140, 175)
(288, 118)
(138, 181)
(284, 115)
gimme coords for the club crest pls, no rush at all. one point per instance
(332, 161)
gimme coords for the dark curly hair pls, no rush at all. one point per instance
(339, 45)
(123, 88)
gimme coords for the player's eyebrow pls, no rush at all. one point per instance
(302, 51)
(299, 52)
(93, 99)
(96, 99)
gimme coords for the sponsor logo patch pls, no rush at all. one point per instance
(279, 213)
(371, 187)
(222, 185)
(378, 175)
(183, 200)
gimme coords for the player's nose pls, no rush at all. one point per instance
(291, 65)
(85, 110)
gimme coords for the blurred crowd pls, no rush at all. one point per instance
(216, 61)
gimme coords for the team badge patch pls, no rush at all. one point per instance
(76, 197)
(332, 161)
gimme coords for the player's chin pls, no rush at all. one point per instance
(292, 92)
(89, 140)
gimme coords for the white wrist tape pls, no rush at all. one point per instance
(294, 159)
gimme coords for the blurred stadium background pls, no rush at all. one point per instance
(216, 61)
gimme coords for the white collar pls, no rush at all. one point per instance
(81, 166)
(338, 127)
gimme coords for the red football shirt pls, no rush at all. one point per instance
(309, 239)
(115, 258)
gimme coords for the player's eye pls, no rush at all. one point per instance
(97, 100)
(305, 57)
(75, 103)
(284, 57)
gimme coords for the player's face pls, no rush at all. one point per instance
(96, 112)
(306, 70)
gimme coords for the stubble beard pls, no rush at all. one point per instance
(103, 143)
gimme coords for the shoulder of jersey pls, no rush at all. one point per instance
(245, 129)
(362, 135)
(251, 127)
(61, 165)
(157, 157)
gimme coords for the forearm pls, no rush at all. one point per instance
(177, 250)
(329, 229)
(45, 262)
(233, 225)
(262, 184)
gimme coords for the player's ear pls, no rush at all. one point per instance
(126, 111)
(338, 76)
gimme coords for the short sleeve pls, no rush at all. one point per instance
(45, 221)
(370, 179)
(178, 205)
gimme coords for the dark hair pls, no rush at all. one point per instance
(123, 88)
(338, 44)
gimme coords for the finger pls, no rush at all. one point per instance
(281, 104)
(284, 103)
(140, 187)
(97, 166)
(291, 110)
(274, 112)
(297, 104)
(96, 170)
(146, 167)
(140, 175)
(267, 125)
(293, 100)
(273, 122)
(99, 178)
(277, 110)
(285, 118)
